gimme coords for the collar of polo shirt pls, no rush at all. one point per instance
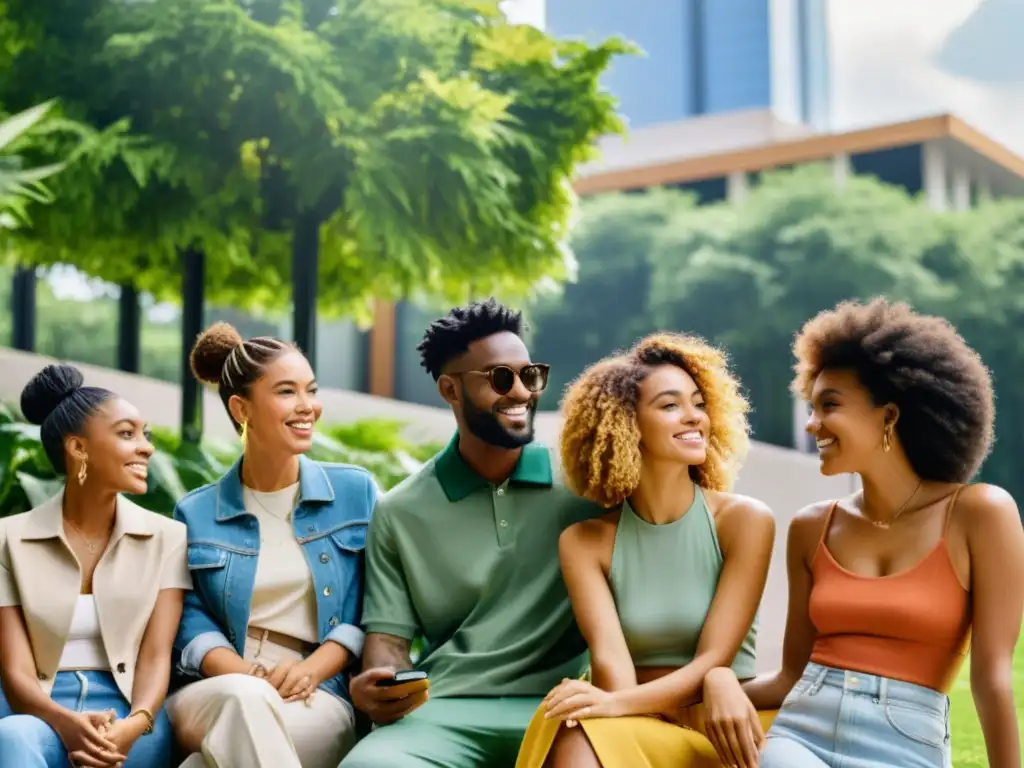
(458, 480)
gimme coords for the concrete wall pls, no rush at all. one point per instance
(784, 479)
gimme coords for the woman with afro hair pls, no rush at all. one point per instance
(666, 585)
(888, 586)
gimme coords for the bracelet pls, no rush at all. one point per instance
(149, 717)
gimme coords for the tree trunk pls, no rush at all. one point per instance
(305, 267)
(192, 291)
(23, 307)
(129, 330)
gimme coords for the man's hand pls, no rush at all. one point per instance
(386, 705)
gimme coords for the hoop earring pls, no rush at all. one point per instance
(887, 438)
(245, 431)
(83, 472)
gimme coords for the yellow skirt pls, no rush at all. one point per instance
(631, 742)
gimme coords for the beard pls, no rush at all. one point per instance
(486, 426)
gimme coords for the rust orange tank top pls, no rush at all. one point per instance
(912, 626)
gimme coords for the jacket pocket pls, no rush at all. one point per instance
(204, 556)
(350, 538)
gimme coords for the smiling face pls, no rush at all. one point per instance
(503, 420)
(846, 424)
(672, 417)
(115, 446)
(281, 408)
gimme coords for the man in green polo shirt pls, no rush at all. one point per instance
(464, 554)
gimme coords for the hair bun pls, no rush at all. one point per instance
(48, 389)
(211, 351)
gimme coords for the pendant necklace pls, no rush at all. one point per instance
(884, 524)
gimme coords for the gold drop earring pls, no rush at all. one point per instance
(887, 438)
(245, 432)
(83, 471)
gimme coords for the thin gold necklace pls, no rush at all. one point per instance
(89, 543)
(885, 524)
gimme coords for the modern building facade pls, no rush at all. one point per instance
(704, 57)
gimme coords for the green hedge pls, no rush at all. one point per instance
(26, 478)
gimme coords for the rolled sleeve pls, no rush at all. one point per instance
(387, 608)
(175, 573)
(193, 654)
(348, 636)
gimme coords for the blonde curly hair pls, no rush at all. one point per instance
(600, 441)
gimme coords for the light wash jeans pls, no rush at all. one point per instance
(28, 742)
(835, 718)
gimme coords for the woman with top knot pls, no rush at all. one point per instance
(275, 548)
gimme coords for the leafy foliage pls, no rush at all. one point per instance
(747, 275)
(433, 141)
(177, 467)
(19, 185)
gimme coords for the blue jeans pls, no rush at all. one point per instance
(28, 742)
(835, 718)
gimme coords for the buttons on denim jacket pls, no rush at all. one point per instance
(327, 591)
(324, 557)
(333, 622)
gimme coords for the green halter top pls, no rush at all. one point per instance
(663, 579)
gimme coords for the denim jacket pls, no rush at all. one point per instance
(336, 502)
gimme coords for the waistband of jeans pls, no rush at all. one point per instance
(883, 689)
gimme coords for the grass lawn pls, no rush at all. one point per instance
(968, 744)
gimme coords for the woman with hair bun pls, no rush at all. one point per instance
(666, 585)
(91, 590)
(275, 548)
(890, 585)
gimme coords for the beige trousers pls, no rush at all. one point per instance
(240, 721)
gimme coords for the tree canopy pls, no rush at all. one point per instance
(433, 140)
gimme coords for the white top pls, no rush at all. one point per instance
(84, 647)
(283, 597)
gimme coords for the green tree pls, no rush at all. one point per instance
(21, 185)
(417, 143)
(607, 306)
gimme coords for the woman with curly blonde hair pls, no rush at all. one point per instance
(666, 585)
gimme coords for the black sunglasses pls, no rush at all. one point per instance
(502, 378)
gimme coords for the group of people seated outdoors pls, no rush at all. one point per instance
(505, 608)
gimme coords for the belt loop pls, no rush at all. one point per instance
(263, 638)
(883, 690)
(819, 679)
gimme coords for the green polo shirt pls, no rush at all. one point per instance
(472, 568)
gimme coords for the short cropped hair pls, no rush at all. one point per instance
(600, 442)
(450, 336)
(920, 364)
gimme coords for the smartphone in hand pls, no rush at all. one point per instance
(402, 677)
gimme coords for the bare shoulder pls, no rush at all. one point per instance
(813, 516)
(987, 510)
(806, 530)
(589, 535)
(727, 506)
(741, 521)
